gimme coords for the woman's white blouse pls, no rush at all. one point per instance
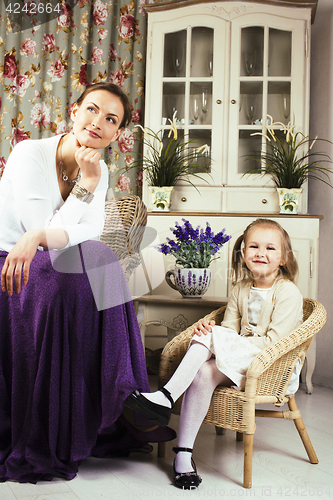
(30, 197)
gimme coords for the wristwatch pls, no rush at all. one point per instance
(82, 194)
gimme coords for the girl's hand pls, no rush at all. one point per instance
(88, 161)
(17, 263)
(204, 327)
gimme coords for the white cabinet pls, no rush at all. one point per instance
(223, 66)
(303, 231)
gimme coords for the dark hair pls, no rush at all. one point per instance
(115, 90)
(289, 269)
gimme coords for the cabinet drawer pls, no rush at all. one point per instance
(251, 200)
(187, 199)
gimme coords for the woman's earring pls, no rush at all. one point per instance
(110, 150)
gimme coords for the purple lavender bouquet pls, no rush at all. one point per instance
(193, 248)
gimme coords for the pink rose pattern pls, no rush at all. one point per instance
(126, 141)
(2, 165)
(20, 84)
(96, 55)
(44, 71)
(40, 116)
(137, 116)
(18, 135)
(57, 70)
(117, 77)
(64, 19)
(123, 183)
(28, 47)
(48, 44)
(100, 13)
(10, 65)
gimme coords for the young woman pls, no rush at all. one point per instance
(264, 305)
(70, 345)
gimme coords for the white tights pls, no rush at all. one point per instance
(197, 375)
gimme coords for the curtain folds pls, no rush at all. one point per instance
(45, 68)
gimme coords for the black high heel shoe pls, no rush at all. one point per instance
(157, 414)
(186, 480)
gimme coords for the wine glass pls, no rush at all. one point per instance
(178, 59)
(240, 105)
(250, 61)
(209, 62)
(285, 101)
(251, 107)
(195, 108)
(204, 102)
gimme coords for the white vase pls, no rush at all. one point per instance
(161, 198)
(190, 282)
(288, 200)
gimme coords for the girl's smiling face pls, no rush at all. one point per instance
(97, 119)
(263, 255)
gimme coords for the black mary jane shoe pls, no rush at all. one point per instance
(157, 414)
(186, 480)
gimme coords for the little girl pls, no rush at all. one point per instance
(264, 306)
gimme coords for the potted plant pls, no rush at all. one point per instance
(194, 250)
(164, 164)
(290, 163)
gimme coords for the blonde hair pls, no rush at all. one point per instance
(288, 270)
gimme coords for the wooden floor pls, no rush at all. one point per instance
(281, 469)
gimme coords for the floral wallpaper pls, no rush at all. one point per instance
(45, 68)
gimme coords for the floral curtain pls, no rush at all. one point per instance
(45, 68)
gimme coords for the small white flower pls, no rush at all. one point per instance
(204, 149)
(313, 142)
(263, 135)
(173, 126)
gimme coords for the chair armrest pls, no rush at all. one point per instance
(270, 371)
(298, 336)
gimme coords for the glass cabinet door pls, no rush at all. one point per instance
(187, 88)
(263, 83)
(190, 83)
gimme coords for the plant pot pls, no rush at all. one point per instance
(288, 200)
(161, 198)
(190, 282)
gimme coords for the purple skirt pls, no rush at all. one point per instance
(70, 354)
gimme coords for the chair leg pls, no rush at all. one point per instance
(302, 432)
(219, 431)
(248, 452)
(239, 436)
(161, 449)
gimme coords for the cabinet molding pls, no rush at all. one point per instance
(173, 4)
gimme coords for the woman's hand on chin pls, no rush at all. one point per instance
(88, 160)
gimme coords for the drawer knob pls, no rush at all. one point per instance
(264, 201)
(219, 101)
(184, 199)
(233, 101)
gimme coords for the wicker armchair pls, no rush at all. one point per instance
(266, 382)
(125, 222)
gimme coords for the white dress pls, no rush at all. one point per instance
(234, 353)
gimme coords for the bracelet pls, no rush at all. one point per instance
(82, 194)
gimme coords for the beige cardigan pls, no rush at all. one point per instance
(281, 312)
